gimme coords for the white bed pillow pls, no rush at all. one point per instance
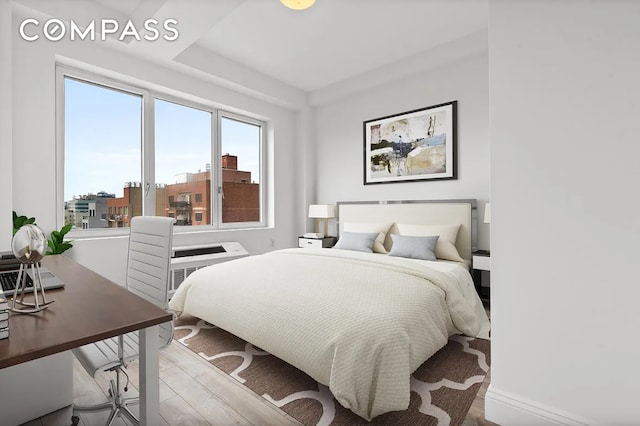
(446, 245)
(414, 247)
(380, 228)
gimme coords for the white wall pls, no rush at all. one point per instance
(34, 144)
(339, 144)
(6, 106)
(307, 163)
(565, 157)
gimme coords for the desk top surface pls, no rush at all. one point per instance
(88, 309)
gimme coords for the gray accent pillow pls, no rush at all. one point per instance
(414, 247)
(357, 241)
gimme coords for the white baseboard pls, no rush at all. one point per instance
(504, 408)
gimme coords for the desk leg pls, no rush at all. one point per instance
(149, 377)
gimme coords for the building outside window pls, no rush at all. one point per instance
(241, 173)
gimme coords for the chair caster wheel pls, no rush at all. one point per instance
(75, 420)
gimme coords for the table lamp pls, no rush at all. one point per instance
(322, 211)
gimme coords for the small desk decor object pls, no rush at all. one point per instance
(29, 246)
(410, 146)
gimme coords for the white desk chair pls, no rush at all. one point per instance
(148, 262)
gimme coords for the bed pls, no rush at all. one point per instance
(358, 322)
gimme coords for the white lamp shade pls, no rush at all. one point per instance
(322, 211)
(487, 213)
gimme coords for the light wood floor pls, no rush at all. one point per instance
(193, 392)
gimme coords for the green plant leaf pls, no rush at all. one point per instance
(56, 241)
(66, 228)
(19, 221)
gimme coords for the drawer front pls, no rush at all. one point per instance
(309, 242)
(482, 263)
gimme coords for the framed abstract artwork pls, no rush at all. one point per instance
(410, 146)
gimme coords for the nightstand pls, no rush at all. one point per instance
(326, 242)
(481, 262)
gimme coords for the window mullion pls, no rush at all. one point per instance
(148, 156)
(216, 172)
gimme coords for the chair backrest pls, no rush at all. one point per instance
(148, 264)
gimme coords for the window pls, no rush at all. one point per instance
(182, 132)
(240, 141)
(103, 136)
(144, 152)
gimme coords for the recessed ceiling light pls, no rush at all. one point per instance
(298, 4)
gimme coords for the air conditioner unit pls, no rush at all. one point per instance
(187, 259)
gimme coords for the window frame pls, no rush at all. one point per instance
(149, 93)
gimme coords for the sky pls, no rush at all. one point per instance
(103, 139)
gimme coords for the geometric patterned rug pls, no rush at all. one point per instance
(442, 389)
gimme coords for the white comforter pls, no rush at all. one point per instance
(359, 323)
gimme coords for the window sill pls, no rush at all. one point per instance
(99, 234)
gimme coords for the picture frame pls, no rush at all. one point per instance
(411, 146)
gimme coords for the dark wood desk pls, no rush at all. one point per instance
(88, 309)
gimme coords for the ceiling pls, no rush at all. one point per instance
(309, 50)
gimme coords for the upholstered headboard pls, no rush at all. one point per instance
(427, 212)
